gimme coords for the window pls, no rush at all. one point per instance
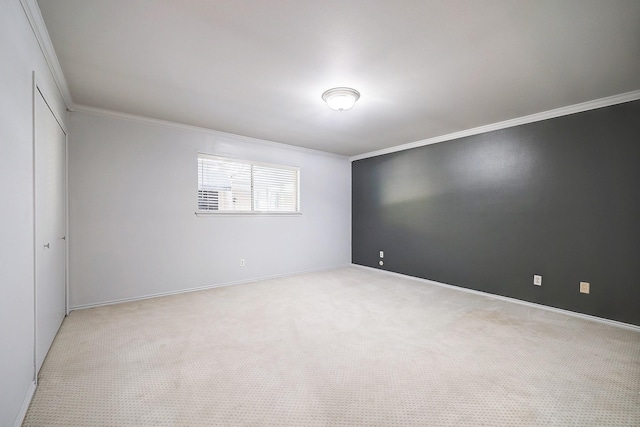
(228, 185)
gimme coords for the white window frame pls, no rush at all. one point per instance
(251, 164)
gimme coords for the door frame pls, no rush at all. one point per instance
(38, 90)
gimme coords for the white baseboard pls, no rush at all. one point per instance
(25, 405)
(201, 288)
(509, 299)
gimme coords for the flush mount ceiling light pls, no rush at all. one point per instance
(341, 98)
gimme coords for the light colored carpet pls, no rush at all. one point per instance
(346, 347)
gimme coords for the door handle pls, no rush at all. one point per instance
(64, 237)
(46, 246)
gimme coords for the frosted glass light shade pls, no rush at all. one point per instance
(340, 98)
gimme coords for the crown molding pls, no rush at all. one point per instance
(545, 115)
(34, 16)
(75, 108)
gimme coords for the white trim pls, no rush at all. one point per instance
(545, 115)
(609, 322)
(34, 95)
(34, 16)
(25, 405)
(219, 134)
(66, 229)
(203, 288)
(245, 213)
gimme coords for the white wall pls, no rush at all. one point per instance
(132, 201)
(20, 56)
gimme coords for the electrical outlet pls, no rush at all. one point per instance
(537, 280)
(381, 254)
(584, 287)
(242, 262)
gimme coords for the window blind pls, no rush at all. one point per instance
(228, 185)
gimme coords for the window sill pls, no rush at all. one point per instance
(212, 214)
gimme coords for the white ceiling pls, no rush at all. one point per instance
(424, 68)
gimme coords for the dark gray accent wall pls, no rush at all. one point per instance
(559, 198)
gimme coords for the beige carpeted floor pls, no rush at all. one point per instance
(347, 347)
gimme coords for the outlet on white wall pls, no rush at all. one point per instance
(242, 263)
(537, 280)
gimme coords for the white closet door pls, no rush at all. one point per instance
(50, 228)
